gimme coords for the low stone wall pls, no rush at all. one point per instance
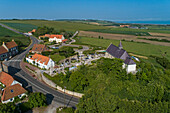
(48, 82)
(52, 84)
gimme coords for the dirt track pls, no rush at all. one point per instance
(126, 37)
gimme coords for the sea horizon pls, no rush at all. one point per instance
(159, 22)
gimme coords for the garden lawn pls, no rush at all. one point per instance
(133, 47)
(57, 57)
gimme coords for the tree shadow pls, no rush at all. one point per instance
(68, 103)
(12, 71)
(50, 98)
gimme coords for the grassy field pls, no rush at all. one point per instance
(57, 57)
(68, 26)
(8, 35)
(27, 25)
(128, 31)
(133, 47)
(21, 26)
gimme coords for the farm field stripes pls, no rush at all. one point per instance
(21, 26)
(68, 26)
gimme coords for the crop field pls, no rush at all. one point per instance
(127, 37)
(128, 31)
(8, 35)
(21, 27)
(131, 47)
(57, 25)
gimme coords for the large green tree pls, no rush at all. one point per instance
(37, 100)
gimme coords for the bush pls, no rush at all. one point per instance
(80, 47)
(37, 100)
(24, 107)
(16, 99)
(65, 110)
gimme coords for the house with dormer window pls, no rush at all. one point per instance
(10, 88)
(8, 50)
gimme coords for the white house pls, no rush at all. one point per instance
(56, 38)
(41, 61)
(118, 52)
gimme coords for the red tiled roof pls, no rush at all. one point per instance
(64, 40)
(52, 36)
(11, 44)
(33, 30)
(57, 36)
(47, 35)
(38, 47)
(6, 79)
(12, 91)
(41, 58)
(3, 50)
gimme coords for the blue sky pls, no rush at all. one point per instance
(86, 9)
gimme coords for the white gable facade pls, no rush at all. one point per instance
(50, 63)
(57, 40)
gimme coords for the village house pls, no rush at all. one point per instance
(8, 50)
(125, 26)
(41, 61)
(30, 32)
(54, 38)
(38, 48)
(10, 88)
(118, 52)
(9, 93)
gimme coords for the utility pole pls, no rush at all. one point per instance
(64, 96)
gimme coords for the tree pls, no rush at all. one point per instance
(37, 100)
(8, 108)
(66, 51)
(78, 81)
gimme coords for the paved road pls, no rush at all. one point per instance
(33, 84)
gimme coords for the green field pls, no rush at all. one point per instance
(57, 57)
(128, 31)
(27, 25)
(8, 35)
(68, 26)
(21, 27)
(133, 47)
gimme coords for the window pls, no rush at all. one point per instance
(11, 99)
(12, 91)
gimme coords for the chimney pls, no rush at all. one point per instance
(3, 43)
(120, 45)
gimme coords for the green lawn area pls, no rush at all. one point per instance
(57, 57)
(8, 35)
(133, 47)
(21, 26)
(68, 26)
